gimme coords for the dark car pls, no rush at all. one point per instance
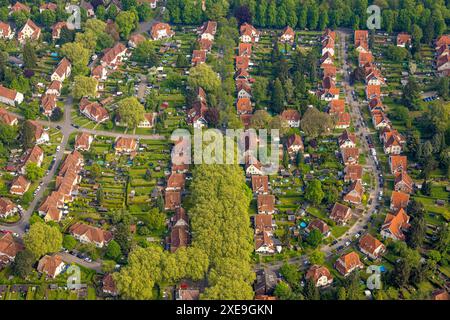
(334, 242)
(58, 127)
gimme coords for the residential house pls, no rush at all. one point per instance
(371, 246)
(40, 135)
(340, 214)
(294, 144)
(48, 6)
(54, 88)
(33, 155)
(172, 200)
(395, 225)
(380, 120)
(265, 283)
(350, 155)
(248, 33)
(244, 91)
(318, 225)
(29, 31)
(347, 140)
(292, 117)
(361, 40)
(265, 203)
(398, 163)
(109, 286)
(328, 46)
(160, 31)
(399, 200)
(125, 145)
(56, 29)
(7, 208)
(52, 266)
(343, 120)
(196, 115)
(48, 104)
(10, 96)
(208, 30)
(320, 275)
(353, 172)
(18, 6)
(62, 71)
(149, 120)
(198, 57)
(252, 166)
(90, 234)
(8, 118)
(336, 106)
(245, 49)
(19, 186)
(244, 106)
(93, 110)
(403, 40)
(288, 35)
(5, 31)
(355, 193)
(179, 236)
(83, 141)
(364, 58)
(135, 40)
(347, 263)
(175, 182)
(403, 182)
(242, 62)
(260, 184)
(264, 243)
(373, 91)
(113, 57)
(9, 248)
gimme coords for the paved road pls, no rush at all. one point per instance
(361, 131)
(68, 258)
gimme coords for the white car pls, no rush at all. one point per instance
(347, 243)
(58, 148)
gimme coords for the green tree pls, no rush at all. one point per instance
(291, 274)
(33, 172)
(78, 55)
(278, 97)
(311, 291)
(203, 76)
(315, 123)
(283, 291)
(113, 250)
(42, 239)
(23, 264)
(411, 94)
(84, 87)
(145, 53)
(314, 238)
(316, 257)
(69, 242)
(130, 111)
(314, 192)
(29, 56)
(127, 22)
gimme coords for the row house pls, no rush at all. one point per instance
(62, 71)
(161, 30)
(288, 35)
(90, 234)
(113, 57)
(443, 55)
(179, 230)
(30, 31)
(7, 118)
(93, 110)
(248, 33)
(6, 31)
(291, 117)
(10, 97)
(395, 225)
(361, 40)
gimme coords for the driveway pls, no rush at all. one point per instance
(68, 258)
